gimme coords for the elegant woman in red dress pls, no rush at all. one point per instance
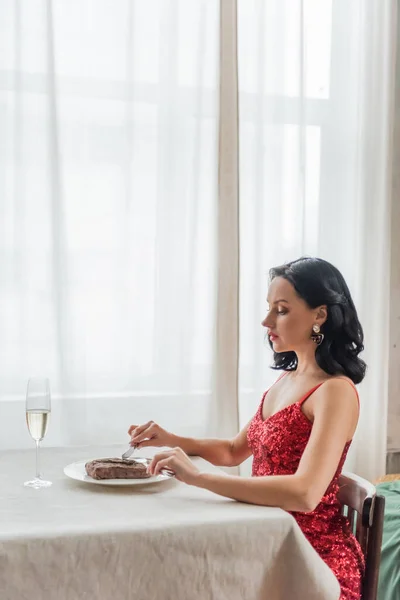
(302, 430)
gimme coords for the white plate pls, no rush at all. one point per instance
(77, 471)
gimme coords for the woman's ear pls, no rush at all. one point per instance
(322, 314)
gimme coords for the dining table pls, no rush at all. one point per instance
(78, 540)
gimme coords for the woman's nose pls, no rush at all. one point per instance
(266, 322)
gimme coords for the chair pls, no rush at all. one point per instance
(365, 511)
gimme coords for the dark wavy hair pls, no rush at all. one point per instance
(318, 283)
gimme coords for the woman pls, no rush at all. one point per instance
(302, 431)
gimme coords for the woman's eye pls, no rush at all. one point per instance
(282, 312)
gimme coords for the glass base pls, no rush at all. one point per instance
(37, 483)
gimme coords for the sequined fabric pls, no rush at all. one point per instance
(277, 445)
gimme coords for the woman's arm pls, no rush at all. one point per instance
(222, 453)
(335, 417)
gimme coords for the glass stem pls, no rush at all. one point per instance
(37, 460)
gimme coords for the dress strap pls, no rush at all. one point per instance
(266, 391)
(308, 394)
(281, 376)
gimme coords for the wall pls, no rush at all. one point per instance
(394, 339)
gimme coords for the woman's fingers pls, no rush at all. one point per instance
(141, 428)
(135, 430)
(148, 433)
(175, 461)
(145, 443)
(158, 457)
(163, 464)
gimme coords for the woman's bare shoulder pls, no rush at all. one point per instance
(337, 378)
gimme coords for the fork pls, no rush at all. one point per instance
(128, 453)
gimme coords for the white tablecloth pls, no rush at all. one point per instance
(77, 541)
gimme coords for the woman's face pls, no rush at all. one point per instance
(289, 320)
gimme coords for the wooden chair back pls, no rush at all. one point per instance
(365, 511)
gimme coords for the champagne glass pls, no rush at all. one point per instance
(38, 407)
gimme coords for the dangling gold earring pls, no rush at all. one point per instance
(316, 336)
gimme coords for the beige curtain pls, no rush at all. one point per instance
(224, 417)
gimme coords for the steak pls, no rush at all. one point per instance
(116, 468)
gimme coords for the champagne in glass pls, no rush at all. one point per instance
(38, 407)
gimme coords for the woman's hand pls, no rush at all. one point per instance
(150, 434)
(178, 462)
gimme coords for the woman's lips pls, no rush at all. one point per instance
(273, 337)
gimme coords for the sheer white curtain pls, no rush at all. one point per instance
(108, 201)
(108, 189)
(315, 80)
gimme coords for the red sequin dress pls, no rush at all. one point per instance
(277, 445)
